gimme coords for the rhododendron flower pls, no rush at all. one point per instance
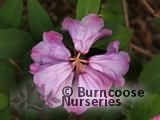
(54, 67)
(156, 117)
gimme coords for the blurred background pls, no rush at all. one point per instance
(136, 23)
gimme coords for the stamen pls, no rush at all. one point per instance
(72, 59)
(83, 61)
(79, 54)
(78, 63)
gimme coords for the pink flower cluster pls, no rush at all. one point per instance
(156, 117)
(54, 67)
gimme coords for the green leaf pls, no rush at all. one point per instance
(135, 68)
(156, 21)
(58, 113)
(3, 101)
(25, 61)
(120, 33)
(73, 2)
(30, 114)
(85, 7)
(5, 114)
(112, 12)
(7, 76)
(7, 73)
(39, 21)
(14, 43)
(145, 109)
(113, 114)
(11, 14)
(150, 76)
(95, 113)
(26, 100)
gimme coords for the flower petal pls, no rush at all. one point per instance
(51, 49)
(84, 33)
(34, 67)
(113, 64)
(84, 46)
(89, 80)
(156, 117)
(113, 47)
(51, 80)
(92, 79)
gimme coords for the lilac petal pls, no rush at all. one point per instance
(83, 108)
(113, 64)
(50, 50)
(54, 41)
(113, 47)
(77, 109)
(84, 33)
(73, 26)
(34, 67)
(85, 45)
(41, 53)
(51, 80)
(90, 80)
(93, 25)
(156, 117)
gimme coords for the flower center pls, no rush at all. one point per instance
(78, 63)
